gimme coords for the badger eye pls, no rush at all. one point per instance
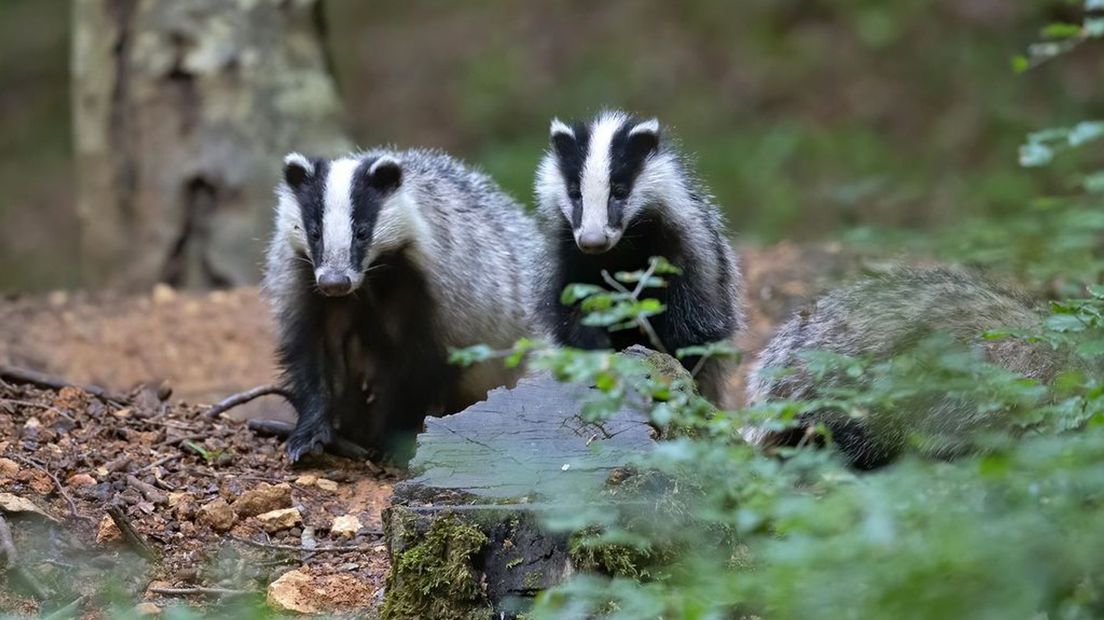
(619, 192)
(362, 234)
(574, 193)
(314, 234)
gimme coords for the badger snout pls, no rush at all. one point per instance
(333, 284)
(593, 241)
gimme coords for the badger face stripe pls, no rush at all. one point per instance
(595, 179)
(630, 148)
(570, 144)
(309, 194)
(366, 201)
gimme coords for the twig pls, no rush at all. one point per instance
(641, 321)
(7, 546)
(160, 461)
(27, 403)
(57, 483)
(274, 428)
(10, 562)
(148, 491)
(332, 549)
(200, 591)
(241, 398)
(132, 536)
(41, 379)
(68, 611)
(181, 439)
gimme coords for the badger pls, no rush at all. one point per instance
(382, 261)
(882, 316)
(611, 193)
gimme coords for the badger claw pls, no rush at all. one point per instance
(308, 440)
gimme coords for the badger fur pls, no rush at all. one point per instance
(883, 316)
(381, 261)
(612, 193)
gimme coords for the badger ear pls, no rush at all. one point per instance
(297, 169)
(644, 138)
(562, 138)
(385, 174)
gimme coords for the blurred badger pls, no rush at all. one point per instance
(611, 193)
(380, 262)
(878, 318)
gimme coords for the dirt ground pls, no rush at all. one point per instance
(201, 492)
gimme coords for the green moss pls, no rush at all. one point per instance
(514, 563)
(588, 554)
(435, 578)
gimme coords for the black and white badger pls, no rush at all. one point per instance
(380, 262)
(611, 194)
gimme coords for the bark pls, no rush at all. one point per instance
(182, 113)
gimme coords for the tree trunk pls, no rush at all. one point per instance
(182, 113)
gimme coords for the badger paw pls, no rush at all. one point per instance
(311, 439)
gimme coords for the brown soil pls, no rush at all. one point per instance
(205, 346)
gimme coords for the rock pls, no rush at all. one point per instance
(8, 468)
(345, 526)
(13, 503)
(263, 498)
(306, 480)
(80, 480)
(326, 485)
(147, 609)
(163, 293)
(218, 515)
(176, 497)
(292, 593)
(277, 520)
(108, 532)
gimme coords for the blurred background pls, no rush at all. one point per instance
(808, 118)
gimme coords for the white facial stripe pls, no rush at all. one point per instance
(594, 184)
(337, 213)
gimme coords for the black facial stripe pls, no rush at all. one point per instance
(571, 154)
(627, 157)
(366, 201)
(311, 198)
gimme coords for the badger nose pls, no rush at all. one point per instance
(593, 242)
(334, 284)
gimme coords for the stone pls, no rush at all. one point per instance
(8, 468)
(292, 593)
(326, 485)
(107, 532)
(80, 480)
(282, 519)
(218, 515)
(306, 480)
(147, 609)
(263, 498)
(345, 526)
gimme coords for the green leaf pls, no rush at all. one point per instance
(1061, 30)
(574, 292)
(1020, 63)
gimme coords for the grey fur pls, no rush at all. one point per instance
(707, 304)
(475, 246)
(882, 316)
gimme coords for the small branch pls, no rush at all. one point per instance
(200, 592)
(241, 398)
(617, 286)
(10, 563)
(148, 491)
(27, 403)
(68, 611)
(57, 483)
(16, 374)
(132, 536)
(160, 461)
(644, 280)
(351, 549)
(7, 546)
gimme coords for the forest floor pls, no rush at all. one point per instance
(218, 514)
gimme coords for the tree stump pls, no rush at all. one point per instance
(488, 473)
(182, 113)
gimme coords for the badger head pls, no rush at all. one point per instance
(329, 210)
(593, 173)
